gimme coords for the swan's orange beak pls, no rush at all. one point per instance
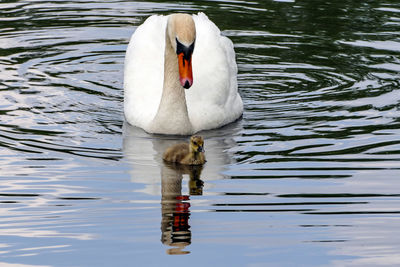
(185, 70)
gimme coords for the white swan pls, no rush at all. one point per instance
(159, 63)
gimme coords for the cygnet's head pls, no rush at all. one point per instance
(197, 143)
(182, 34)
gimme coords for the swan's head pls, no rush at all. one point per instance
(182, 34)
(197, 143)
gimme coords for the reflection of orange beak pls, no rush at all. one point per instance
(185, 71)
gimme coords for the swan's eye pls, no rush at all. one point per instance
(186, 50)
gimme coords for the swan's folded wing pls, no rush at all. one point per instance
(144, 71)
(213, 100)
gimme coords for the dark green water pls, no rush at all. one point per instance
(310, 176)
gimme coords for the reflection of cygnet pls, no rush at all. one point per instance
(187, 154)
(143, 154)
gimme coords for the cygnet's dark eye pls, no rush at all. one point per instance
(195, 143)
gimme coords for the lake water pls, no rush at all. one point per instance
(310, 176)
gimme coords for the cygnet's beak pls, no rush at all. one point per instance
(200, 149)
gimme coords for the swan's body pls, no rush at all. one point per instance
(155, 98)
(191, 153)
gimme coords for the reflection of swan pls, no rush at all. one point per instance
(158, 66)
(144, 153)
(175, 228)
(191, 153)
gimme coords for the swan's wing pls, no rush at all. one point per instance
(234, 102)
(213, 100)
(144, 71)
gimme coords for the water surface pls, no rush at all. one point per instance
(309, 175)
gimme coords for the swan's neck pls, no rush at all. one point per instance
(172, 116)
